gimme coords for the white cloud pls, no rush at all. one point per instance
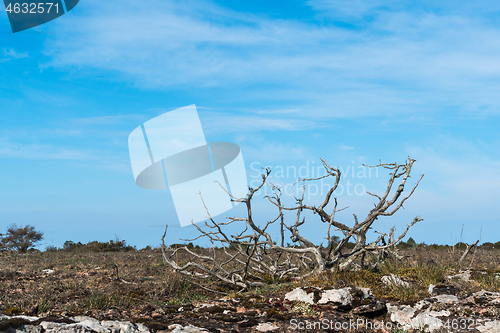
(352, 8)
(97, 158)
(60, 132)
(44, 151)
(401, 61)
(227, 122)
(460, 178)
(356, 9)
(11, 54)
(108, 119)
(258, 148)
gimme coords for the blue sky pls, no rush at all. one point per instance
(290, 82)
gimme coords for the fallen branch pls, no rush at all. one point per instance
(467, 251)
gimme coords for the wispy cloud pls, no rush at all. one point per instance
(460, 175)
(10, 54)
(402, 58)
(43, 151)
(60, 132)
(232, 122)
(275, 152)
(108, 119)
(93, 157)
(351, 9)
(66, 140)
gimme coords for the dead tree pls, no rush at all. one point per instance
(251, 258)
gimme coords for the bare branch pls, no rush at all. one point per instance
(248, 257)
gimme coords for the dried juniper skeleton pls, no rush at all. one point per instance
(251, 258)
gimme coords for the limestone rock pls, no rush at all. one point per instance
(446, 298)
(50, 327)
(124, 327)
(427, 322)
(300, 294)
(176, 328)
(90, 325)
(394, 280)
(345, 296)
(489, 327)
(487, 294)
(442, 313)
(401, 314)
(336, 296)
(463, 275)
(82, 324)
(425, 303)
(266, 327)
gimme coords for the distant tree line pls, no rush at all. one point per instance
(410, 243)
(95, 246)
(24, 239)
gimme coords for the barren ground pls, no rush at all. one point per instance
(147, 291)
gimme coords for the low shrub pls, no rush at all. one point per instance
(51, 248)
(488, 246)
(461, 246)
(95, 246)
(188, 245)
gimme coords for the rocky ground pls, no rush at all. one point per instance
(134, 291)
(306, 309)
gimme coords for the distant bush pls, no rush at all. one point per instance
(437, 247)
(489, 246)
(410, 243)
(20, 238)
(402, 245)
(188, 245)
(71, 246)
(51, 248)
(460, 246)
(95, 246)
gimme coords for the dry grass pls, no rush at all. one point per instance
(421, 267)
(84, 281)
(89, 281)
